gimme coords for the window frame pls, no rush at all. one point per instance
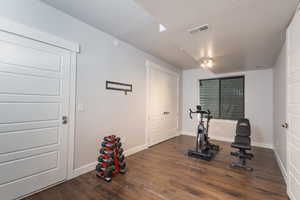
(220, 79)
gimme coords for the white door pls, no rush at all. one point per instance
(163, 104)
(293, 108)
(34, 85)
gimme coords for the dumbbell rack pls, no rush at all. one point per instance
(111, 160)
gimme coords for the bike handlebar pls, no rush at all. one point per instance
(202, 112)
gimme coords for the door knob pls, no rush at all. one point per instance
(284, 125)
(166, 113)
(64, 120)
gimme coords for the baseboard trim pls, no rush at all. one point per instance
(189, 133)
(291, 196)
(281, 167)
(91, 166)
(226, 139)
(263, 145)
(165, 139)
(85, 169)
(135, 150)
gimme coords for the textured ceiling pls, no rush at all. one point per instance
(242, 34)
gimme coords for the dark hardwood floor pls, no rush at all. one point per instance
(164, 172)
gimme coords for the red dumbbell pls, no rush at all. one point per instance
(118, 145)
(121, 158)
(122, 166)
(112, 138)
(105, 174)
(120, 151)
(109, 145)
(106, 159)
(104, 165)
(107, 151)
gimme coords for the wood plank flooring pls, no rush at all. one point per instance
(164, 172)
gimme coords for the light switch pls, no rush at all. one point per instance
(80, 107)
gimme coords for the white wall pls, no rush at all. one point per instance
(258, 105)
(105, 112)
(280, 102)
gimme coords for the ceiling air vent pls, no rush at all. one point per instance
(198, 29)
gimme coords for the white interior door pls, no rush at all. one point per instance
(293, 108)
(163, 104)
(34, 95)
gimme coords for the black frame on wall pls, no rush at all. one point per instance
(220, 80)
(112, 85)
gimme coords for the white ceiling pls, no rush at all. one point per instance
(242, 35)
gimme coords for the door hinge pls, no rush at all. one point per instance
(64, 120)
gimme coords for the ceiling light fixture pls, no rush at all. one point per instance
(207, 63)
(162, 28)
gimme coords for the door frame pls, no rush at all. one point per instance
(149, 65)
(287, 132)
(287, 179)
(43, 37)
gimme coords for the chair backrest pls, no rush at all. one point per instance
(243, 128)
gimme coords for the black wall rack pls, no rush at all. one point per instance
(111, 85)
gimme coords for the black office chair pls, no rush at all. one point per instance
(242, 141)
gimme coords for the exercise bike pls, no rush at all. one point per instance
(204, 149)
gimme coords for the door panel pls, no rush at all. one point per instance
(22, 84)
(293, 108)
(27, 126)
(294, 187)
(28, 112)
(27, 167)
(22, 140)
(163, 105)
(28, 57)
(34, 95)
(295, 160)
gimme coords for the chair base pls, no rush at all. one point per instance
(242, 165)
(243, 156)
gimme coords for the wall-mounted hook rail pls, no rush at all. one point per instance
(110, 85)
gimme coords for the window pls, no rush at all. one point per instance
(224, 97)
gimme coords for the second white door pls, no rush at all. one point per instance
(162, 104)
